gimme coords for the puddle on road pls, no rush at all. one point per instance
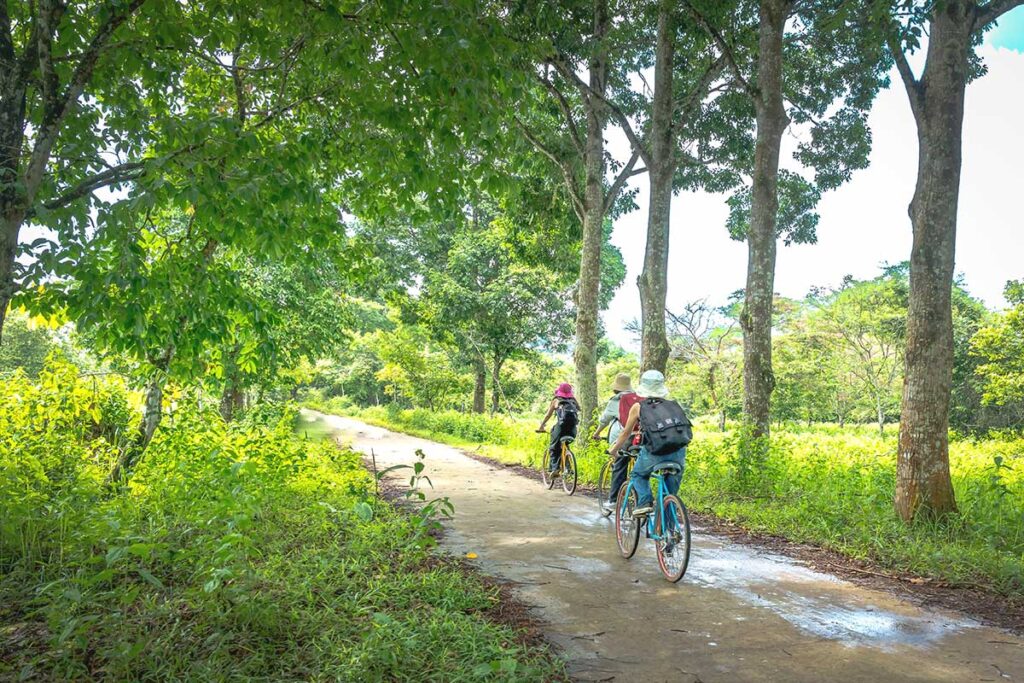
(813, 602)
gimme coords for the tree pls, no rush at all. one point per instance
(568, 129)
(794, 62)
(707, 340)
(25, 346)
(999, 344)
(936, 100)
(867, 320)
(486, 299)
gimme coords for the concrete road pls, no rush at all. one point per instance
(739, 614)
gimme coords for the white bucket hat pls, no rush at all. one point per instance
(652, 385)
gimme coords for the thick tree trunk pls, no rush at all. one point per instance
(479, 388)
(8, 253)
(923, 483)
(496, 384)
(232, 398)
(756, 319)
(12, 200)
(653, 281)
(587, 305)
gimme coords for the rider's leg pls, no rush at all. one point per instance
(619, 471)
(673, 480)
(641, 479)
(554, 447)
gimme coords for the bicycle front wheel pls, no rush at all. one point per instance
(673, 543)
(546, 475)
(569, 472)
(627, 527)
(604, 484)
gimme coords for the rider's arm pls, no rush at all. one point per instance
(627, 431)
(610, 414)
(547, 415)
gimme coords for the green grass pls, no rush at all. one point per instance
(823, 485)
(237, 553)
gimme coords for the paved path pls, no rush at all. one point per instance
(739, 614)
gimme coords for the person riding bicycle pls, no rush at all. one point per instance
(664, 434)
(567, 417)
(614, 418)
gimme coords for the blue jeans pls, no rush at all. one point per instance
(645, 464)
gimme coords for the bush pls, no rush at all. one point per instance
(234, 553)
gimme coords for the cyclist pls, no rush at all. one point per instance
(622, 390)
(567, 416)
(664, 433)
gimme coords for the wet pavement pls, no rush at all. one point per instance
(739, 614)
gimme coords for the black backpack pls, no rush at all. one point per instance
(664, 426)
(568, 413)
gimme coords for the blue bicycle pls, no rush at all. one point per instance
(668, 526)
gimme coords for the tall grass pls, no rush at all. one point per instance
(823, 484)
(236, 553)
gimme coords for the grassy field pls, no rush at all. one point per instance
(823, 485)
(237, 553)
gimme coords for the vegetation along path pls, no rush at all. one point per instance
(738, 614)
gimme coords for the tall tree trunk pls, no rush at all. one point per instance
(881, 416)
(756, 318)
(480, 388)
(587, 295)
(496, 384)
(12, 199)
(922, 476)
(653, 281)
(8, 255)
(231, 400)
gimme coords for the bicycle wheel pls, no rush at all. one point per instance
(627, 527)
(545, 474)
(673, 545)
(604, 483)
(569, 472)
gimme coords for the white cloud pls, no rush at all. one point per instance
(864, 223)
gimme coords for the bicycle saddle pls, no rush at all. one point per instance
(567, 439)
(667, 467)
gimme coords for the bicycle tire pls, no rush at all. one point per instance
(627, 527)
(569, 473)
(604, 483)
(673, 544)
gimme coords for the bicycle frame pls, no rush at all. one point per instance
(650, 528)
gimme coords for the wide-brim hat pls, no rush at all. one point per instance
(652, 385)
(564, 390)
(622, 383)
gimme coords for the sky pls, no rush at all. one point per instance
(864, 223)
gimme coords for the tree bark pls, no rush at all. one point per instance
(923, 483)
(151, 417)
(587, 304)
(480, 388)
(232, 398)
(756, 318)
(653, 281)
(496, 384)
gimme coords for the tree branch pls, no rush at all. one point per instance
(563, 104)
(986, 14)
(620, 181)
(912, 85)
(567, 175)
(116, 174)
(638, 145)
(723, 46)
(688, 105)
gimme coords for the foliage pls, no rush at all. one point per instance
(24, 346)
(999, 344)
(235, 553)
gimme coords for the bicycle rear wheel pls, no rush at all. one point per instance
(627, 527)
(569, 472)
(673, 545)
(604, 483)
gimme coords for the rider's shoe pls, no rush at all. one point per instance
(643, 511)
(554, 474)
(608, 505)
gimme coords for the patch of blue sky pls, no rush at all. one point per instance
(1010, 31)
